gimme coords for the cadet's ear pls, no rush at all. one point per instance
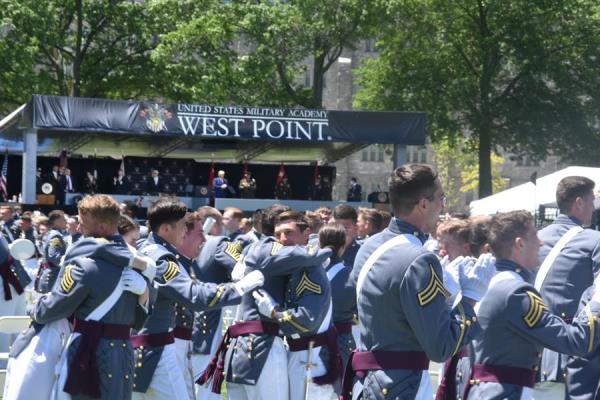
(519, 243)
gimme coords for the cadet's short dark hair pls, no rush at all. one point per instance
(166, 210)
(54, 216)
(190, 220)
(374, 217)
(345, 211)
(271, 214)
(479, 235)
(569, 189)
(505, 228)
(127, 224)
(292, 216)
(408, 184)
(314, 220)
(131, 208)
(332, 235)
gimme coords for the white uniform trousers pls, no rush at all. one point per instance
(13, 307)
(297, 375)
(183, 352)
(168, 382)
(32, 374)
(201, 361)
(272, 384)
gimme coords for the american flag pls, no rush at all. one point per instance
(3, 175)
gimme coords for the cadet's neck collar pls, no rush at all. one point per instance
(115, 238)
(333, 260)
(568, 220)
(186, 262)
(158, 239)
(503, 264)
(399, 226)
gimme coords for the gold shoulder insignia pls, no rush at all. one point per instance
(433, 288)
(56, 242)
(233, 250)
(306, 284)
(101, 240)
(311, 250)
(276, 248)
(67, 282)
(536, 309)
(171, 272)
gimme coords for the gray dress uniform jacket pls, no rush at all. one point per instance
(83, 284)
(53, 250)
(174, 287)
(343, 296)
(184, 317)
(246, 355)
(517, 325)
(571, 273)
(402, 307)
(214, 264)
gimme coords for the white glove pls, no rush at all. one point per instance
(265, 303)
(144, 264)
(238, 271)
(249, 282)
(133, 282)
(475, 275)
(451, 275)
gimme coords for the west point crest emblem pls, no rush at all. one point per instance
(156, 117)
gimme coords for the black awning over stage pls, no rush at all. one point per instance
(226, 133)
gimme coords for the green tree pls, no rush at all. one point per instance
(517, 75)
(256, 52)
(75, 48)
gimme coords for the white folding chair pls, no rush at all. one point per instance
(14, 324)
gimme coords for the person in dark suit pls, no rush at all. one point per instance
(53, 178)
(120, 184)
(316, 190)
(61, 186)
(220, 185)
(154, 185)
(90, 183)
(354, 191)
(39, 181)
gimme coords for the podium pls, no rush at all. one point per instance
(45, 199)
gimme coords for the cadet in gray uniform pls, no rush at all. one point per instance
(343, 289)
(572, 271)
(99, 358)
(217, 259)
(515, 320)
(157, 372)
(401, 300)
(53, 250)
(184, 317)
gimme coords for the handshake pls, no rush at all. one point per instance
(471, 274)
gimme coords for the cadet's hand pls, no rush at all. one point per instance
(145, 265)
(238, 271)
(133, 282)
(249, 282)
(265, 303)
(475, 275)
(452, 275)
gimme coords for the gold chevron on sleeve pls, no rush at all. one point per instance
(233, 250)
(67, 282)
(276, 248)
(433, 288)
(56, 242)
(306, 285)
(536, 309)
(218, 295)
(171, 272)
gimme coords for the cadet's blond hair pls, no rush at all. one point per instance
(102, 208)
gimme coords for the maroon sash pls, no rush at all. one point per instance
(152, 339)
(9, 278)
(328, 339)
(83, 376)
(500, 374)
(447, 388)
(343, 328)
(216, 366)
(361, 361)
(182, 333)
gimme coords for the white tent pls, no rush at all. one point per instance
(529, 196)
